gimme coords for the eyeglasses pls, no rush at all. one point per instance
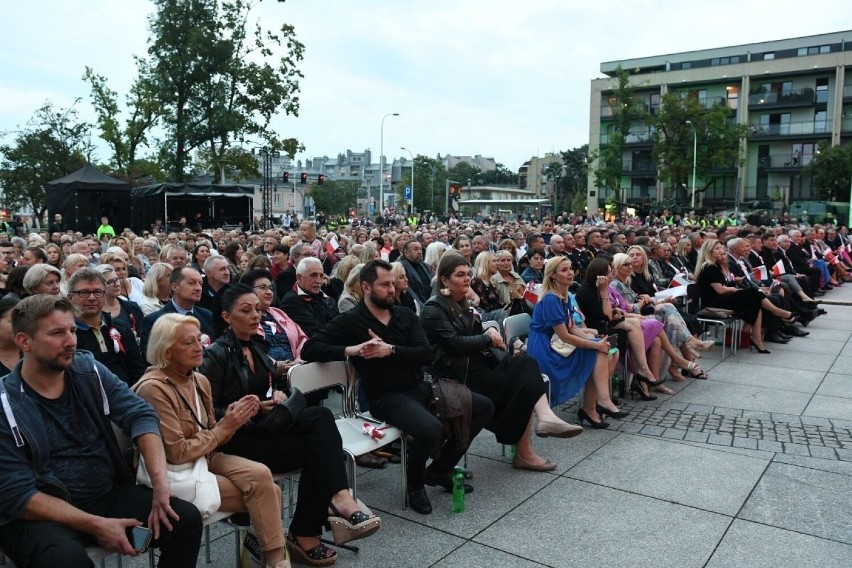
(88, 293)
(114, 281)
(264, 287)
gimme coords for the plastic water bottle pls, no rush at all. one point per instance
(458, 490)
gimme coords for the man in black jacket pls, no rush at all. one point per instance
(419, 273)
(306, 303)
(388, 347)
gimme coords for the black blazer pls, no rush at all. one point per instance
(205, 317)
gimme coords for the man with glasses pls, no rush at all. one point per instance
(285, 281)
(111, 342)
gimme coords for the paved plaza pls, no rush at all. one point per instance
(752, 467)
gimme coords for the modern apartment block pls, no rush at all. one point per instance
(792, 94)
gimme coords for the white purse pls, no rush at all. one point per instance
(561, 347)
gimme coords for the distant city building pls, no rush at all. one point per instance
(792, 94)
(484, 164)
(532, 175)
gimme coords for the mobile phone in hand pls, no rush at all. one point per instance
(139, 537)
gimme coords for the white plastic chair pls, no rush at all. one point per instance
(309, 377)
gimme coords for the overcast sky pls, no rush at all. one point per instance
(504, 79)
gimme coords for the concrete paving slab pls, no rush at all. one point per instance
(830, 407)
(587, 524)
(473, 555)
(833, 466)
(804, 500)
(768, 376)
(731, 395)
(755, 546)
(498, 489)
(835, 384)
(676, 472)
(842, 365)
(785, 359)
(808, 345)
(827, 334)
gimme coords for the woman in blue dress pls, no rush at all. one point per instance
(553, 314)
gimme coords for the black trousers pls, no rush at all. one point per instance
(312, 445)
(408, 411)
(37, 544)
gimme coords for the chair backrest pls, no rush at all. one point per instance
(516, 326)
(309, 377)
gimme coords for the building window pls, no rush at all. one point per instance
(821, 90)
(686, 65)
(825, 49)
(733, 93)
(768, 56)
(820, 121)
(802, 51)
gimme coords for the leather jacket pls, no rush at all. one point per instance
(457, 339)
(226, 368)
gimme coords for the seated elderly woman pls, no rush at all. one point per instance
(508, 283)
(121, 310)
(72, 263)
(554, 314)
(717, 289)
(156, 290)
(190, 429)
(351, 294)
(42, 279)
(463, 352)
(604, 307)
(484, 268)
(237, 365)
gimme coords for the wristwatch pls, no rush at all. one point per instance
(393, 349)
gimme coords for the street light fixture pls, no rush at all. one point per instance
(382, 163)
(410, 153)
(694, 156)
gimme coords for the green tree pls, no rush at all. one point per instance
(627, 112)
(500, 175)
(575, 176)
(53, 144)
(719, 141)
(335, 197)
(429, 183)
(237, 163)
(831, 170)
(463, 171)
(127, 140)
(218, 79)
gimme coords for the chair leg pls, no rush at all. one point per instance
(151, 558)
(237, 546)
(207, 544)
(404, 464)
(291, 497)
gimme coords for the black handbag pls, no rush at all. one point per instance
(283, 416)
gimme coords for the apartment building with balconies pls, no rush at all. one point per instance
(791, 94)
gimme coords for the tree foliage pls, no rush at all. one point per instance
(500, 175)
(334, 197)
(718, 141)
(575, 175)
(238, 164)
(53, 144)
(429, 181)
(216, 74)
(831, 170)
(463, 171)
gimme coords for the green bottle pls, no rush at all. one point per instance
(458, 490)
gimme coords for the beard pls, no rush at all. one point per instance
(383, 302)
(55, 364)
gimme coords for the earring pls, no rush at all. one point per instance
(445, 291)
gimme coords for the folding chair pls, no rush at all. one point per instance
(723, 322)
(309, 377)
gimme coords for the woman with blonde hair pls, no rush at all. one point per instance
(433, 254)
(351, 294)
(508, 283)
(401, 296)
(42, 279)
(177, 392)
(72, 263)
(484, 268)
(55, 256)
(587, 367)
(156, 290)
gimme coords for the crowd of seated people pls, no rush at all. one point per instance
(226, 314)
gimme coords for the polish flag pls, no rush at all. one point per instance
(332, 245)
(679, 280)
(760, 273)
(531, 293)
(778, 269)
(829, 256)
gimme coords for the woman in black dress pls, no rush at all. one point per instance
(717, 289)
(463, 352)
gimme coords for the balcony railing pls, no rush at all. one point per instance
(639, 166)
(793, 97)
(847, 92)
(788, 128)
(784, 161)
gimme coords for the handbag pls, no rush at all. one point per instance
(561, 347)
(191, 481)
(283, 416)
(715, 313)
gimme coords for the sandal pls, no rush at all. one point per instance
(663, 389)
(675, 375)
(694, 371)
(317, 556)
(358, 525)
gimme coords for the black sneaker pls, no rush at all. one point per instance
(419, 501)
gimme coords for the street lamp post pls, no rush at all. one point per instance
(431, 186)
(410, 153)
(382, 162)
(694, 156)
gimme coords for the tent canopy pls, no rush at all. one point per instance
(84, 196)
(202, 204)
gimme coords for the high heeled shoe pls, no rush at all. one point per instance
(694, 371)
(617, 414)
(358, 525)
(320, 555)
(758, 349)
(583, 415)
(702, 345)
(647, 381)
(636, 389)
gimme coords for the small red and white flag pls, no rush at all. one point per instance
(829, 256)
(679, 279)
(531, 293)
(332, 245)
(778, 269)
(760, 273)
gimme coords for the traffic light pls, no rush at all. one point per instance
(455, 191)
(304, 178)
(286, 177)
(320, 179)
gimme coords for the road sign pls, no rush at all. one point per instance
(407, 193)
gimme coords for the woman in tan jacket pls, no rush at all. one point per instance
(171, 387)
